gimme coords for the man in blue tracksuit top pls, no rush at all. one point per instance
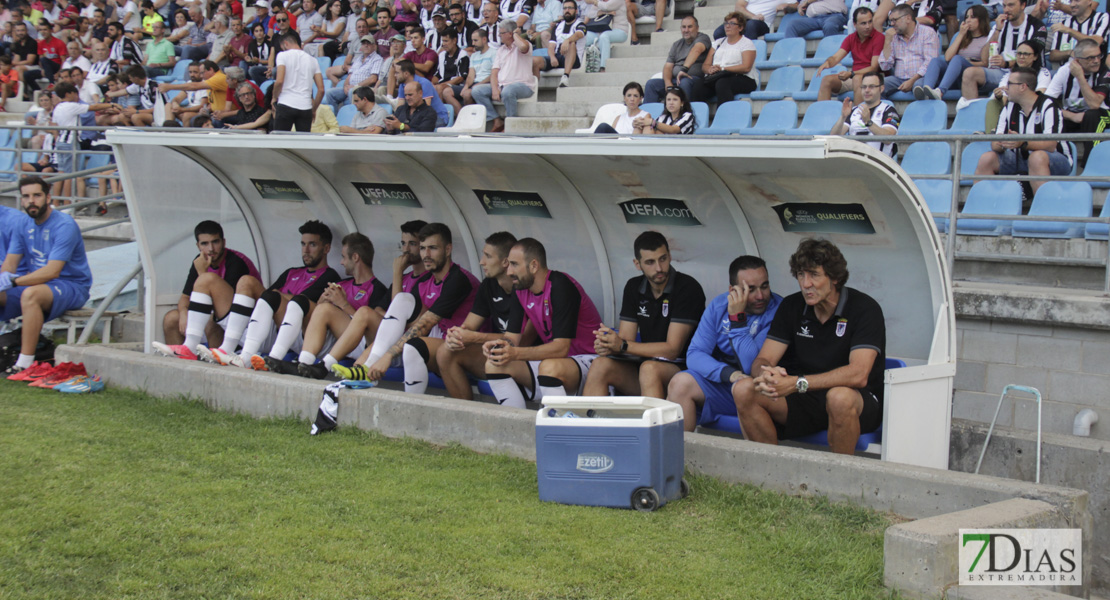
(727, 340)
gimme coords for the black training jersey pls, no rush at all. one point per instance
(501, 308)
(817, 347)
(682, 301)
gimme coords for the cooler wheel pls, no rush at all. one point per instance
(645, 499)
(684, 489)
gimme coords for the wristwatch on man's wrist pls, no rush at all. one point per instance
(624, 346)
(802, 385)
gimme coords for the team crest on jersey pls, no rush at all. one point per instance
(841, 327)
(359, 295)
(666, 307)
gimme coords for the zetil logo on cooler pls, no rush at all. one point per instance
(594, 462)
(1021, 557)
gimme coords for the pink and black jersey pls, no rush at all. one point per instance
(302, 281)
(235, 265)
(562, 310)
(371, 292)
(449, 299)
(408, 281)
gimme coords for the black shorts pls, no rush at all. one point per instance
(949, 7)
(457, 91)
(548, 65)
(36, 166)
(806, 414)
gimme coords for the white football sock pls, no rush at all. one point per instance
(392, 326)
(287, 333)
(505, 390)
(416, 370)
(200, 310)
(260, 322)
(241, 309)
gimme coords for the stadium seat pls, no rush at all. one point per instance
(970, 119)
(784, 82)
(266, 85)
(654, 109)
(814, 88)
(1057, 199)
(606, 114)
(825, 49)
(790, 51)
(924, 117)
(990, 198)
(471, 119)
(760, 51)
(938, 196)
(928, 158)
(1074, 158)
(701, 115)
(969, 159)
(819, 118)
(775, 118)
(1098, 164)
(345, 115)
(450, 114)
(179, 73)
(1099, 231)
(730, 118)
(325, 62)
(777, 35)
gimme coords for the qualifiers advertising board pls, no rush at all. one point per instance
(513, 204)
(387, 194)
(822, 217)
(276, 189)
(658, 211)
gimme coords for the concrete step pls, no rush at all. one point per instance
(609, 78)
(546, 124)
(644, 50)
(630, 64)
(560, 109)
(601, 94)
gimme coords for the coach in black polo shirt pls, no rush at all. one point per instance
(822, 364)
(663, 306)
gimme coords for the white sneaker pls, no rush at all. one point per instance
(205, 354)
(934, 93)
(564, 81)
(962, 104)
(227, 360)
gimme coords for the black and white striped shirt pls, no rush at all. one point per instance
(1066, 90)
(433, 39)
(685, 122)
(883, 115)
(1097, 25)
(1012, 36)
(451, 67)
(1044, 118)
(512, 9)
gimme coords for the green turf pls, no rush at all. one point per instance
(119, 495)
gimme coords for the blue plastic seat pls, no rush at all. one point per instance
(180, 72)
(324, 62)
(1057, 199)
(701, 115)
(784, 82)
(1099, 231)
(924, 117)
(969, 159)
(790, 51)
(938, 196)
(814, 88)
(819, 118)
(970, 119)
(928, 158)
(653, 108)
(825, 49)
(777, 35)
(266, 85)
(1001, 198)
(345, 115)
(1098, 164)
(1074, 158)
(760, 51)
(730, 118)
(775, 118)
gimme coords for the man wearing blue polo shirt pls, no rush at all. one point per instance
(13, 224)
(57, 275)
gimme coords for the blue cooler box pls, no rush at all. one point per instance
(610, 451)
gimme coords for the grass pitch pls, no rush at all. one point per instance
(119, 495)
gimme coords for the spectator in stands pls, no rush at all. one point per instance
(967, 49)
(544, 14)
(215, 81)
(99, 25)
(464, 28)
(1086, 23)
(387, 75)
(647, 8)
(339, 68)
(454, 66)
(160, 57)
(727, 66)
(511, 78)
(659, 311)
(59, 277)
(684, 64)
(491, 18)
(51, 50)
(677, 118)
(130, 16)
(566, 48)
(1011, 28)
(125, 51)
(218, 276)
(907, 51)
(363, 73)
(871, 117)
(146, 89)
(1080, 86)
(617, 32)
(259, 52)
(195, 45)
(75, 57)
(187, 104)
(370, 117)
(102, 66)
(760, 15)
(481, 67)
(294, 104)
(727, 339)
(633, 98)
(67, 114)
(261, 16)
(434, 35)
(25, 57)
(423, 58)
(829, 16)
(219, 40)
(1028, 113)
(563, 317)
(309, 22)
(835, 338)
(385, 32)
(413, 115)
(404, 72)
(865, 44)
(334, 30)
(9, 80)
(88, 91)
(236, 50)
(252, 115)
(149, 18)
